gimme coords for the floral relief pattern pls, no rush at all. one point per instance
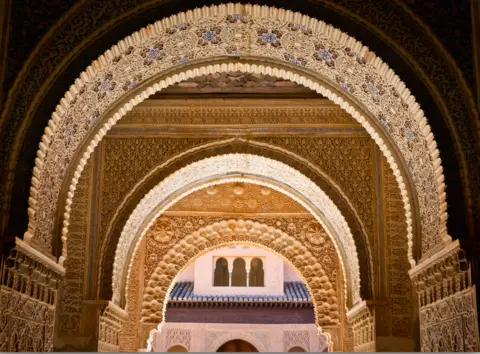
(276, 39)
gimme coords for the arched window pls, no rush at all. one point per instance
(239, 273)
(177, 349)
(220, 276)
(257, 275)
(237, 346)
(297, 350)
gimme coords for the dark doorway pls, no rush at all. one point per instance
(237, 345)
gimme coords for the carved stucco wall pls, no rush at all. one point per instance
(292, 246)
(450, 324)
(72, 288)
(377, 88)
(349, 163)
(28, 299)
(447, 302)
(126, 160)
(142, 154)
(399, 288)
(130, 332)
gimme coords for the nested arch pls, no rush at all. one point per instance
(394, 120)
(215, 170)
(236, 146)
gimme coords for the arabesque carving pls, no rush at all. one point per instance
(234, 30)
(362, 320)
(28, 295)
(450, 324)
(448, 311)
(252, 198)
(177, 336)
(72, 288)
(217, 112)
(110, 323)
(350, 167)
(296, 339)
(139, 157)
(224, 232)
(151, 207)
(399, 284)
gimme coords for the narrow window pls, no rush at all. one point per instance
(239, 273)
(220, 276)
(256, 277)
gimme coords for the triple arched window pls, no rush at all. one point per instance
(240, 275)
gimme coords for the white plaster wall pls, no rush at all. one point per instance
(272, 265)
(290, 274)
(201, 337)
(188, 274)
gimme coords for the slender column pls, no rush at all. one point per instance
(230, 270)
(247, 267)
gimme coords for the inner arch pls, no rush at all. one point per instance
(202, 174)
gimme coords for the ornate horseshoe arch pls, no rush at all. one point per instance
(231, 232)
(219, 169)
(296, 48)
(230, 146)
